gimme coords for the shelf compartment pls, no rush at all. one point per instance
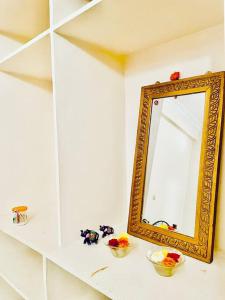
(28, 163)
(110, 26)
(63, 285)
(20, 21)
(28, 159)
(32, 63)
(89, 91)
(22, 267)
(7, 292)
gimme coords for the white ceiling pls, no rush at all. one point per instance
(23, 19)
(125, 26)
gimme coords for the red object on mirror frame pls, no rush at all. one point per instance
(175, 76)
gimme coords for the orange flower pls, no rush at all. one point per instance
(123, 242)
(169, 262)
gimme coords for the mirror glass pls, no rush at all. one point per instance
(171, 182)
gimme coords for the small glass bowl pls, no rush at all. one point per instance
(163, 270)
(120, 252)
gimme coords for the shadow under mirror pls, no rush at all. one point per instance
(173, 160)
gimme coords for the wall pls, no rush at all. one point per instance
(191, 55)
(90, 117)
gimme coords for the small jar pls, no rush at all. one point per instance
(20, 215)
(120, 252)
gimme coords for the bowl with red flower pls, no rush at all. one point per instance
(119, 246)
(166, 260)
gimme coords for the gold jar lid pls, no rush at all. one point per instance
(19, 209)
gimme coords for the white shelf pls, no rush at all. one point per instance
(7, 292)
(63, 10)
(36, 234)
(31, 62)
(20, 22)
(8, 46)
(127, 26)
(119, 281)
(22, 267)
(63, 285)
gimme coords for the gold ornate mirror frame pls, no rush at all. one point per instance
(201, 245)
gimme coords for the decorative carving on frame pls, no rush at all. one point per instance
(201, 245)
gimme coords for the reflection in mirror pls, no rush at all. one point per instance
(172, 170)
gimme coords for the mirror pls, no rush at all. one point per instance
(174, 149)
(176, 164)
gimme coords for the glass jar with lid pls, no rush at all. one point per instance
(20, 215)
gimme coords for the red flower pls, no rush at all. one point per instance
(113, 243)
(175, 76)
(174, 256)
(171, 228)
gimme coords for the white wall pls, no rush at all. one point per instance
(90, 117)
(191, 55)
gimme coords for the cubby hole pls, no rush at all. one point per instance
(90, 118)
(28, 158)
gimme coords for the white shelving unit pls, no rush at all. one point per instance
(62, 10)
(95, 112)
(20, 22)
(119, 279)
(109, 24)
(7, 292)
(17, 263)
(27, 150)
(70, 77)
(61, 285)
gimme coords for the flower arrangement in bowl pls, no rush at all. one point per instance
(166, 260)
(119, 246)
